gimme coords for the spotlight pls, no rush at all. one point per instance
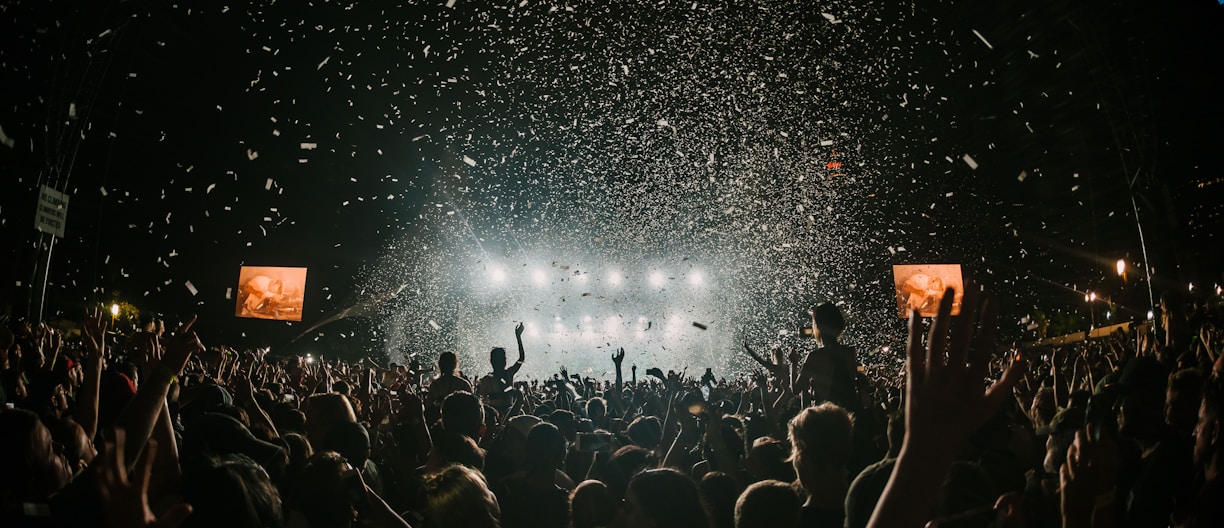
(497, 274)
(114, 309)
(657, 279)
(532, 330)
(696, 279)
(1121, 267)
(539, 277)
(614, 278)
(309, 358)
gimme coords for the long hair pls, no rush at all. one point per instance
(459, 496)
(670, 498)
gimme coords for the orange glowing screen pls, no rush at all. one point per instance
(267, 292)
(921, 287)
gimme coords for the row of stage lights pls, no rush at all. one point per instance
(539, 277)
(610, 327)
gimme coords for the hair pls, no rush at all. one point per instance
(670, 498)
(718, 492)
(324, 412)
(231, 491)
(351, 440)
(766, 504)
(591, 505)
(318, 491)
(458, 448)
(545, 447)
(459, 496)
(448, 362)
(462, 413)
(625, 464)
(17, 466)
(822, 436)
(596, 406)
(646, 431)
(829, 319)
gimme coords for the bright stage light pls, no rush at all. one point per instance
(586, 319)
(497, 274)
(696, 279)
(614, 278)
(657, 279)
(532, 330)
(539, 277)
(613, 325)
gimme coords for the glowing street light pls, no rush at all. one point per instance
(1121, 267)
(114, 313)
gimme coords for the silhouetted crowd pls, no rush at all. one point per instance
(153, 428)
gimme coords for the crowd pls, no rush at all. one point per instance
(164, 431)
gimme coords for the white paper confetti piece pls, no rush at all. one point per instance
(984, 41)
(324, 63)
(103, 189)
(309, 146)
(1022, 176)
(251, 155)
(970, 162)
(229, 293)
(469, 161)
(435, 325)
(191, 288)
(268, 185)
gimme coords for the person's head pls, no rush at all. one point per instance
(626, 463)
(325, 411)
(646, 431)
(545, 447)
(79, 449)
(1140, 406)
(718, 492)
(596, 409)
(459, 496)
(766, 504)
(663, 498)
(448, 363)
(591, 505)
(1209, 431)
(231, 491)
(1182, 399)
(821, 438)
(32, 465)
(828, 321)
(318, 491)
(342, 387)
(351, 440)
(767, 460)
(566, 422)
(462, 413)
(454, 448)
(497, 359)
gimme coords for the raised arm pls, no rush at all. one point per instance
(944, 404)
(518, 337)
(93, 333)
(145, 408)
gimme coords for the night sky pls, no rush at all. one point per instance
(789, 152)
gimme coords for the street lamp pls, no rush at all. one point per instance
(114, 313)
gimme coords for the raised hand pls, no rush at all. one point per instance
(518, 331)
(944, 404)
(1088, 477)
(619, 356)
(180, 346)
(93, 333)
(944, 397)
(126, 502)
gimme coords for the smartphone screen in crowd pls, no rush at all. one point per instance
(593, 442)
